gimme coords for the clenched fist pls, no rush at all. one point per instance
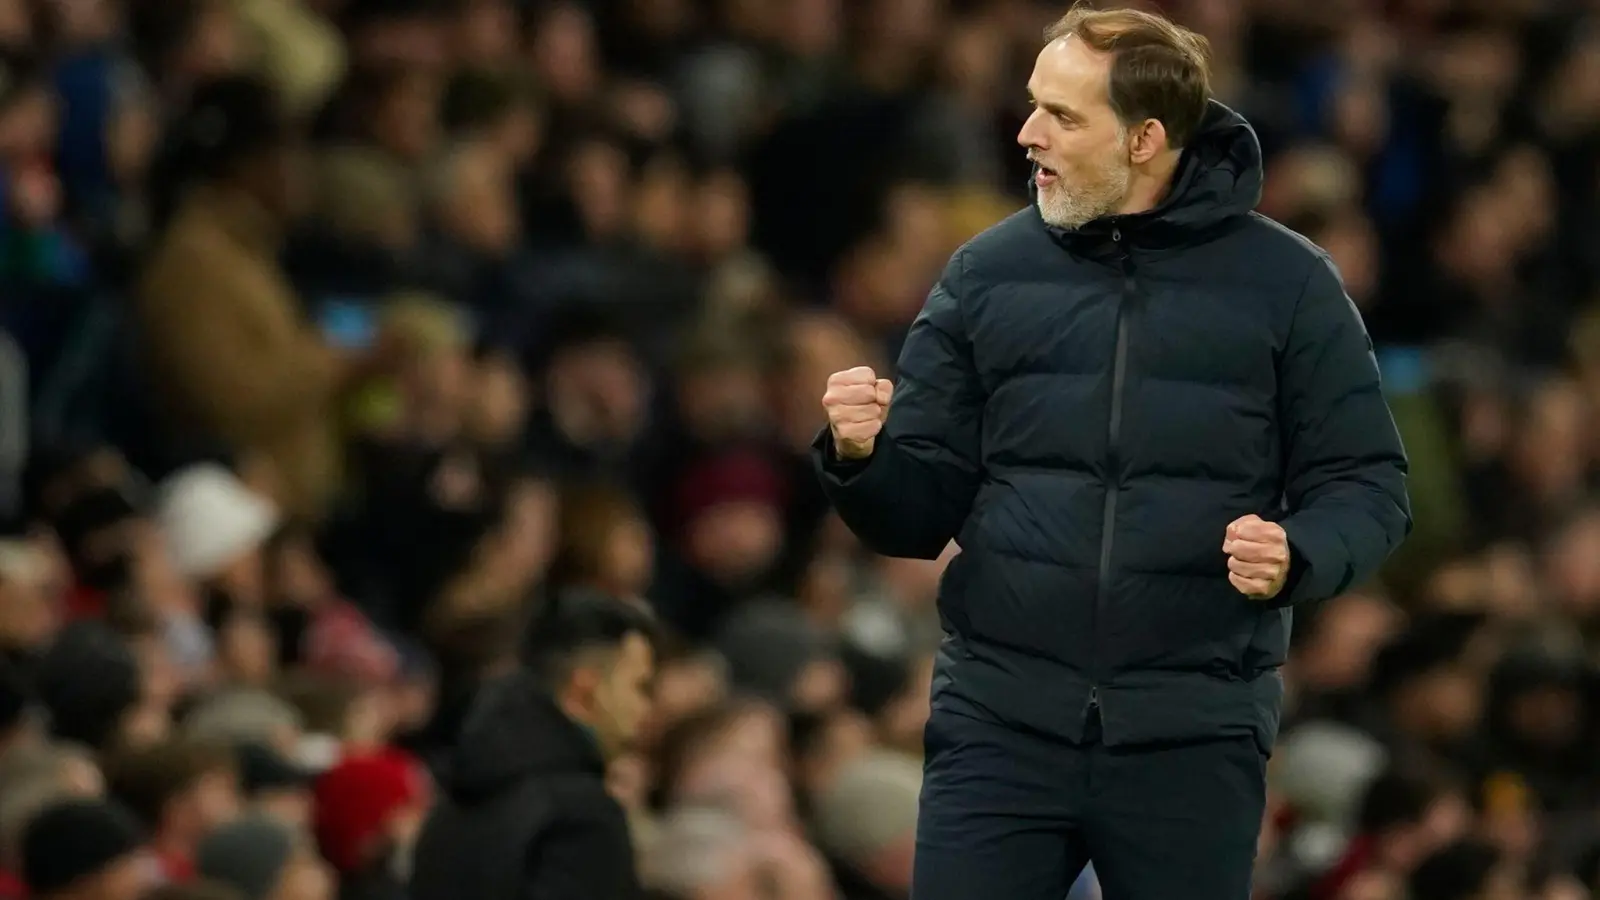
(857, 401)
(1258, 557)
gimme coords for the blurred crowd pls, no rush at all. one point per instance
(335, 335)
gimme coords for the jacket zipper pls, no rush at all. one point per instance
(1108, 517)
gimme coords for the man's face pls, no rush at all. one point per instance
(622, 696)
(1074, 136)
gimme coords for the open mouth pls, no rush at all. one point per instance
(1045, 175)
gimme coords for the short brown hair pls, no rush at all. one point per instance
(146, 779)
(1159, 70)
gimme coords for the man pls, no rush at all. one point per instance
(264, 858)
(524, 811)
(181, 791)
(219, 323)
(1151, 420)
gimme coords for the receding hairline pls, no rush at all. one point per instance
(1145, 51)
(1107, 29)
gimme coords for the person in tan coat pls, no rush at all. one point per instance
(232, 356)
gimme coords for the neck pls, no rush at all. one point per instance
(576, 715)
(1150, 184)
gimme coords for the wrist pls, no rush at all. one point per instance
(853, 451)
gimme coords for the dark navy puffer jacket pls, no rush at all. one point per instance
(1085, 412)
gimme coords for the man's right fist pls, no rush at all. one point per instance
(857, 401)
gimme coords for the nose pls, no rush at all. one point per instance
(1032, 135)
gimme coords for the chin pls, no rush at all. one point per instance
(1058, 212)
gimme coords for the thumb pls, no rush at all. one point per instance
(885, 394)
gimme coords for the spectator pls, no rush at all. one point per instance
(28, 624)
(728, 512)
(774, 652)
(823, 746)
(1403, 820)
(92, 686)
(607, 543)
(529, 774)
(24, 799)
(274, 786)
(703, 853)
(216, 528)
(97, 532)
(316, 627)
(86, 849)
(868, 818)
(231, 717)
(238, 364)
(1467, 870)
(369, 811)
(731, 755)
(264, 859)
(184, 44)
(180, 791)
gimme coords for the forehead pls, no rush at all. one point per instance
(1068, 71)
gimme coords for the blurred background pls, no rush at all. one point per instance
(335, 334)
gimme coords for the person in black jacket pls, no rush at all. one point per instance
(523, 812)
(1151, 420)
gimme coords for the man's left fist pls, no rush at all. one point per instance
(1258, 557)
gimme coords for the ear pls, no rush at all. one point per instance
(581, 690)
(1146, 141)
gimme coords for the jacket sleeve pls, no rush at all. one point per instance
(1346, 469)
(910, 498)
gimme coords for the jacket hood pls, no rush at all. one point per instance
(516, 731)
(1219, 176)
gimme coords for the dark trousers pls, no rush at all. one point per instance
(1011, 815)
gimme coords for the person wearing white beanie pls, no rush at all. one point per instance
(214, 524)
